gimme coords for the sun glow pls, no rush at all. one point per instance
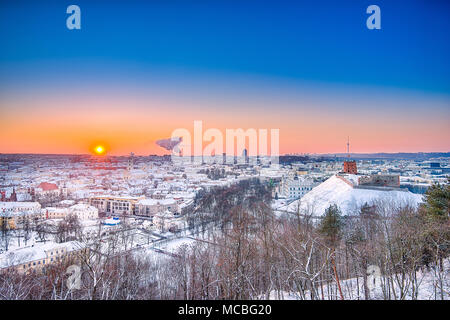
(99, 150)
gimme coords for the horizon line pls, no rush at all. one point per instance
(286, 154)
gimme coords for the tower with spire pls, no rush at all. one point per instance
(13, 196)
(348, 147)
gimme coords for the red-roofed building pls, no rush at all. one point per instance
(45, 186)
(47, 189)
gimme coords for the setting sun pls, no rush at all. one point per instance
(99, 150)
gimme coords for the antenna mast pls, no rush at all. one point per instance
(348, 147)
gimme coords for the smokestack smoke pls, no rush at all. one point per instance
(169, 143)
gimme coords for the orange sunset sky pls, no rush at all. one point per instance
(128, 120)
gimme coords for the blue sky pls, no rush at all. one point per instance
(323, 41)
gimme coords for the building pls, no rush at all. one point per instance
(81, 211)
(151, 207)
(38, 257)
(167, 221)
(115, 205)
(435, 165)
(295, 187)
(45, 189)
(350, 167)
(15, 213)
(380, 180)
(54, 213)
(186, 206)
(84, 211)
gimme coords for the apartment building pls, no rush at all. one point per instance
(115, 205)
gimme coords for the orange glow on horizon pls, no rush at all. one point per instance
(122, 124)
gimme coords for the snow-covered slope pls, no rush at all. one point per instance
(349, 199)
(430, 285)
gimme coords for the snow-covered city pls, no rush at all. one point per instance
(55, 208)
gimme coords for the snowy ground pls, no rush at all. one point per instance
(428, 289)
(17, 241)
(172, 246)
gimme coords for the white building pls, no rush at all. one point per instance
(151, 207)
(295, 187)
(166, 221)
(84, 211)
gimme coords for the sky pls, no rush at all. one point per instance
(138, 70)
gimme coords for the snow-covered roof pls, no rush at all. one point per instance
(154, 202)
(25, 255)
(81, 207)
(18, 208)
(67, 202)
(54, 209)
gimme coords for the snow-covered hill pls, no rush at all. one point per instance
(348, 198)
